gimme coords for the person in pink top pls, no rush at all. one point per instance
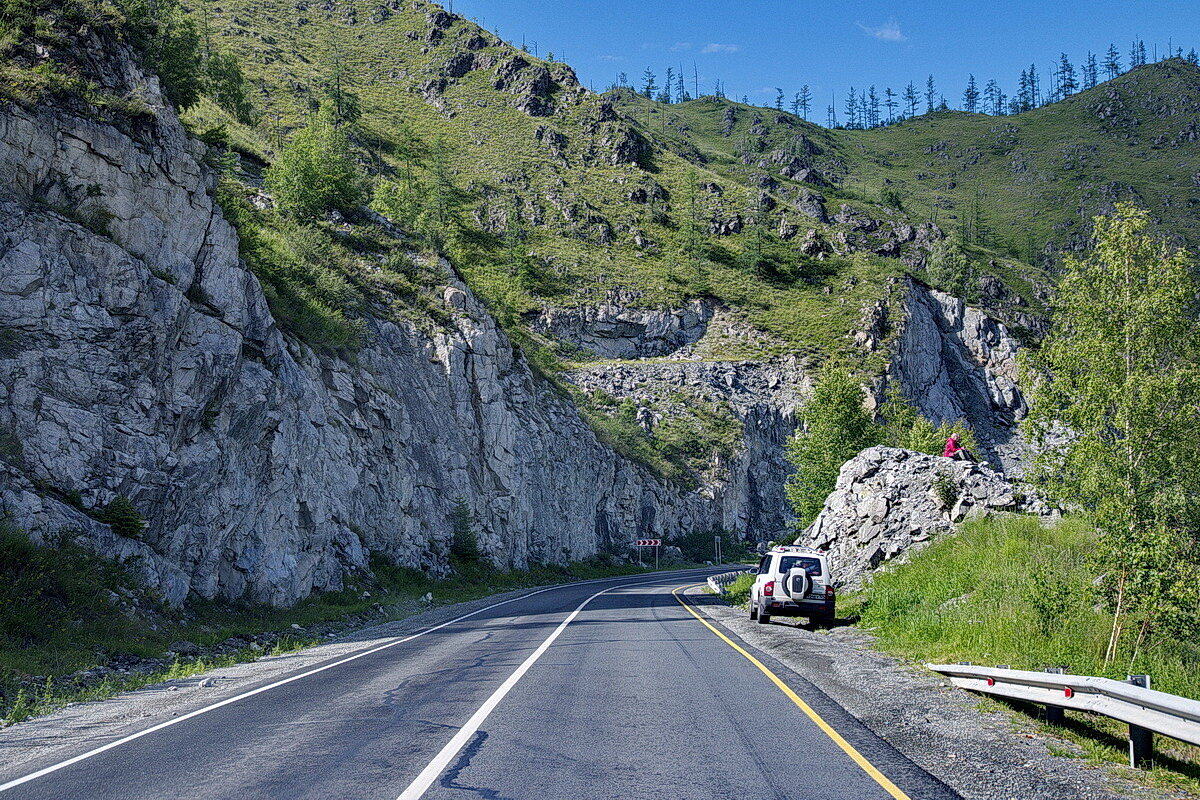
(955, 450)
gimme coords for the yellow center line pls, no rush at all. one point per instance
(858, 757)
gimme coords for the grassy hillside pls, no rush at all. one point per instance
(1025, 186)
(545, 171)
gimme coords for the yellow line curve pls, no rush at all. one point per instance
(858, 757)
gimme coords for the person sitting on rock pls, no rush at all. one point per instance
(955, 450)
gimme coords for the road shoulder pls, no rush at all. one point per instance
(983, 754)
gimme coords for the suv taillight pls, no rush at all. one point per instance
(829, 592)
(769, 588)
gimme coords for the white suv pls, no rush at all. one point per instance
(793, 582)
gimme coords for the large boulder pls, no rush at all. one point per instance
(890, 502)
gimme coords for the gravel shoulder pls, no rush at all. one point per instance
(981, 750)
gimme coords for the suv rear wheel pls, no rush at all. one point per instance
(753, 611)
(763, 617)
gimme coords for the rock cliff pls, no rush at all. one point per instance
(956, 362)
(140, 359)
(890, 502)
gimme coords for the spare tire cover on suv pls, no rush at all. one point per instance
(797, 583)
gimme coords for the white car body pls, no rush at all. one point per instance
(793, 581)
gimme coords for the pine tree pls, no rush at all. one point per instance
(1192, 58)
(1091, 71)
(805, 100)
(911, 98)
(872, 108)
(1112, 62)
(852, 109)
(930, 94)
(1067, 84)
(991, 100)
(889, 102)
(1035, 97)
(831, 120)
(668, 85)
(778, 99)
(971, 96)
(649, 86)
(796, 104)
(681, 88)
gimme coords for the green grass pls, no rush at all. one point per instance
(1010, 591)
(738, 592)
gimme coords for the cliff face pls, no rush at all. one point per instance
(956, 362)
(140, 359)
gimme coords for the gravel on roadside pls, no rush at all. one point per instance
(983, 755)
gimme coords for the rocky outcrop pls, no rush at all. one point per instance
(616, 329)
(140, 358)
(957, 363)
(889, 503)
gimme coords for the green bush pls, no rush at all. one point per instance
(123, 517)
(464, 542)
(316, 171)
(836, 428)
(738, 592)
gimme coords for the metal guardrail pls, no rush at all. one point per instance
(1132, 701)
(718, 582)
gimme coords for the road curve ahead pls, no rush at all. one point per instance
(609, 689)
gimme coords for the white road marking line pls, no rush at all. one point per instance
(175, 721)
(448, 753)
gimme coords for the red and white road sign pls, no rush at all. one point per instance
(647, 543)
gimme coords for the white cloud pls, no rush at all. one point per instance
(609, 59)
(888, 31)
(681, 46)
(720, 48)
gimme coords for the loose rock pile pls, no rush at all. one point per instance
(889, 502)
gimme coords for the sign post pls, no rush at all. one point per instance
(655, 543)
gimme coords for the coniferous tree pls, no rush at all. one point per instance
(681, 88)
(1067, 84)
(1091, 71)
(852, 109)
(911, 98)
(778, 99)
(930, 94)
(805, 100)
(1112, 62)
(971, 96)
(649, 84)
(1024, 99)
(796, 104)
(668, 85)
(872, 108)
(991, 101)
(889, 102)
(1141, 53)
(1192, 58)
(1035, 96)
(831, 120)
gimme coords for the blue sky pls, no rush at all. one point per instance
(754, 46)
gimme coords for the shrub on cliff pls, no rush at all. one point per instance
(316, 172)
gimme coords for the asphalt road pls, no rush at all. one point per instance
(607, 689)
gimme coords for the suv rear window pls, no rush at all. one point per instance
(811, 565)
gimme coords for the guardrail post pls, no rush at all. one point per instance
(1141, 740)
(1054, 714)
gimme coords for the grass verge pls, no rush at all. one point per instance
(1011, 591)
